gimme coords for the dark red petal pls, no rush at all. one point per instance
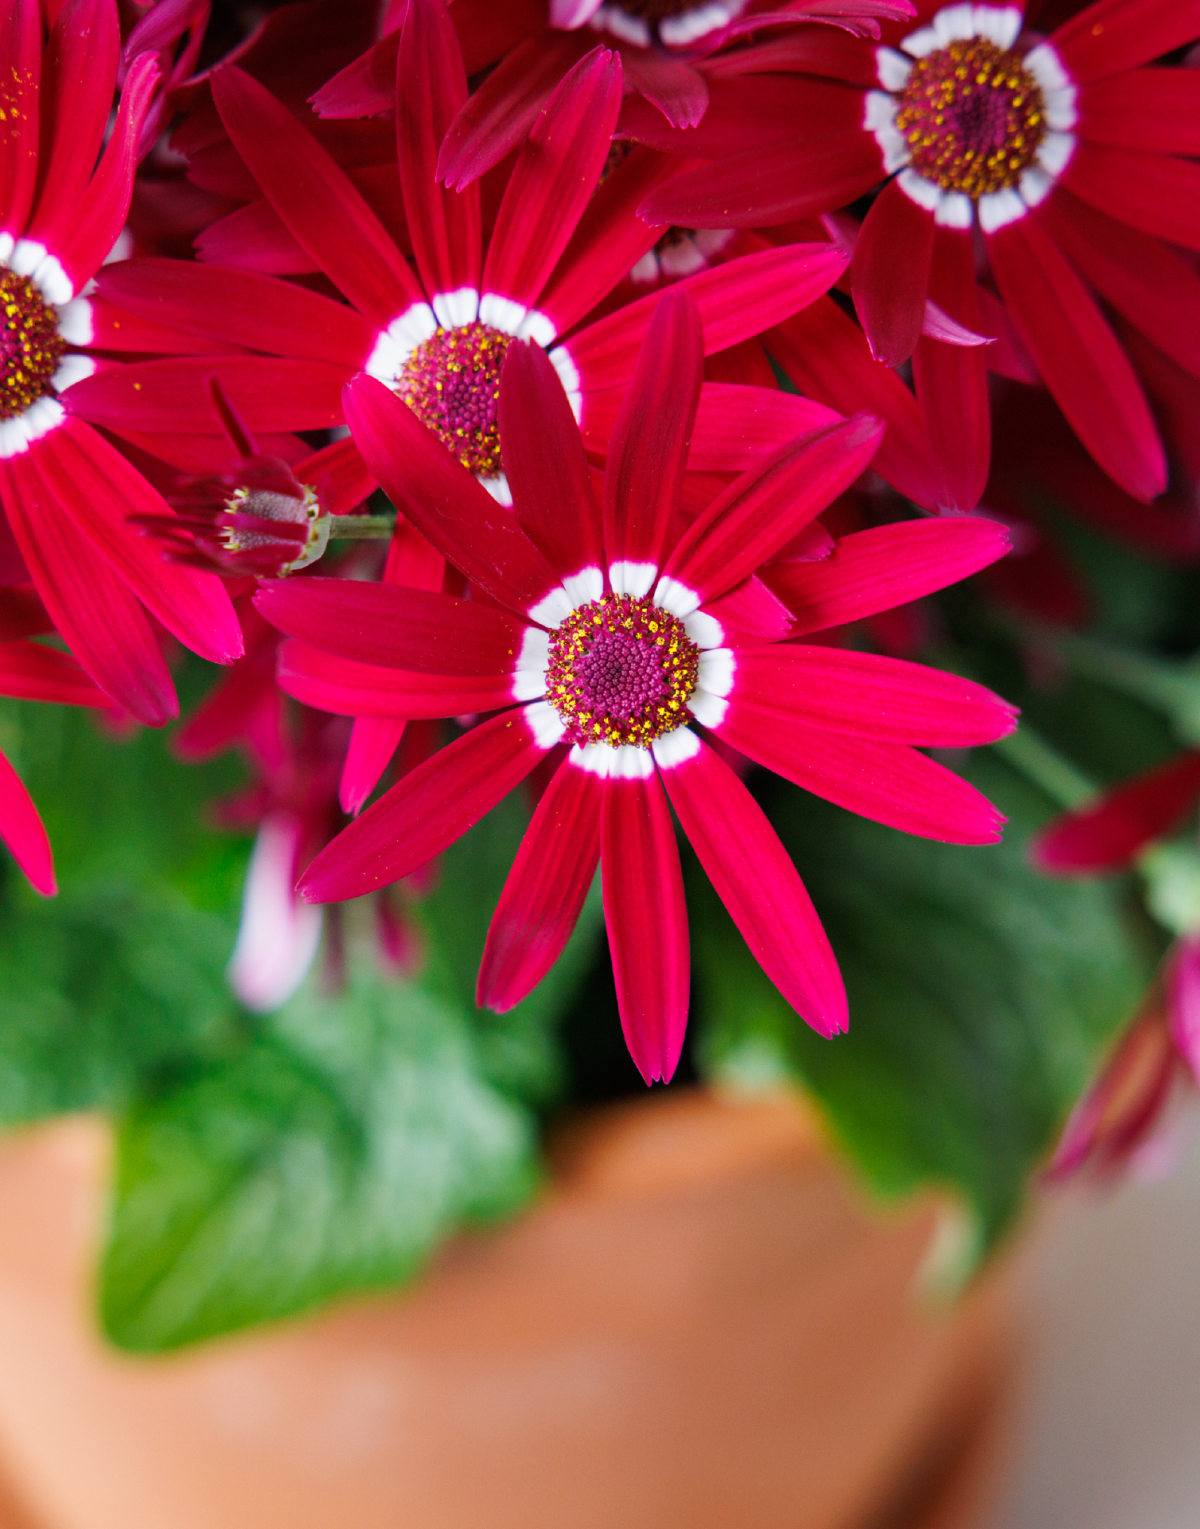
(20, 68)
(102, 623)
(391, 625)
(874, 570)
(1107, 835)
(646, 916)
(672, 85)
(82, 232)
(765, 187)
(172, 397)
(889, 273)
(607, 243)
(545, 889)
(349, 688)
(430, 88)
(888, 782)
(258, 312)
(553, 178)
(101, 491)
(756, 880)
(315, 198)
(443, 500)
(869, 696)
(737, 425)
(766, 507)
(1157, 110)
(1079, 357)
(653, 432)
(1115, 35)
(545, 464)
(951, 380)
(1151, 285)
(426, 811)
(736, 300)
(80, 71)
(826, 355)
(1153, 192)
(496, 119)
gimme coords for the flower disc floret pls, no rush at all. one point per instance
(30, 345)
(451, 382)
(621, 671)
(973, 117)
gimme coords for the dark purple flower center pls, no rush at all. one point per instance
(973, 117)
(451, 382)
(30, 345)
(621, 671)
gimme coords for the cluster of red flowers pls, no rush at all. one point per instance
(536, 271)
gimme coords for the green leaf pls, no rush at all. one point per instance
(981, 995)
(103, 993)
(332, 1155)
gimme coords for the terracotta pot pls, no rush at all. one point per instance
(699, 1325)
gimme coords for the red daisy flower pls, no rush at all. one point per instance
(1068, 153)
(66, 491)
(611, 634)
(438, 340)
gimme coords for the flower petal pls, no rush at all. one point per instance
(869, 696)
(1115, 35)
(349, 688)
(761, 188)
(545, 464)
(888, 782)
(646, 916)
(1108, 834)
(22, 830)
(652, 434)
(495, 120)
(83, 231)
(100, 490)
(768, 505)
(31, 671)
(1079, 357)
(102, 623)
(373, 741)
(427, 810)
(431, 88)
(20, 69)
(744, 297)
(826, 355)
(1154, 192)
(756, 880)
(545, 889)
(79, 74)
(889, 273)
(315, 198)
(553, 178)
(394, 626)
(951, 380)
(259, 312)
(874, 570)
(443, 500)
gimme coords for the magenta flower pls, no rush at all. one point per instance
(65, 490)
(1067, 153)
(438, 337)
(611, 633)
